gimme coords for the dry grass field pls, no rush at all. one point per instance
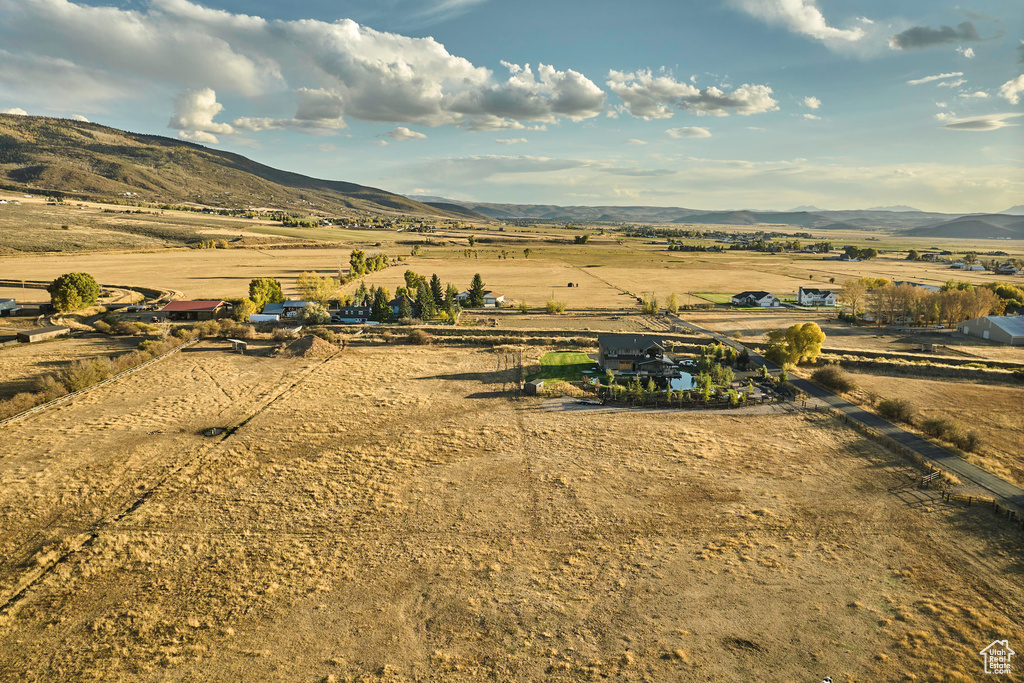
(993, 411)
(23, 364)
(388, 515)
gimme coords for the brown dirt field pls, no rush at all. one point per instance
(22, 365)
(393, 517)
(993, 411)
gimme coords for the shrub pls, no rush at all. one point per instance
(328, 336)
(207, 328)
(102, 327)
(49, 388)
(125, 328)
(833, 377)
(897, 410)
(554, 307)
(968, 441)
(84, 373)
(936, 427)
(419, 338)
(281, 334)
(17, 404)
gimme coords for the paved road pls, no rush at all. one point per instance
(999, 488)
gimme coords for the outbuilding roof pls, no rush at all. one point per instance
(190, 306)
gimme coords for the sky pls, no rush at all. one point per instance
(704, 104)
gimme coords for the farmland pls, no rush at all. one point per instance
(486, 538)
(392, 513)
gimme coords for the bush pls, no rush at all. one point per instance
(554, 307)
(833, 377)
(936, 427)
(966, 441)
(328, 336)
(18, 404)
(207, 328)
(102, 327)
(897, 410)
(84, 373)
(281, 334)
(419, 338)
(125, 328)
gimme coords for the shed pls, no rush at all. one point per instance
(238, 346)
(533, 388)
(41, 333)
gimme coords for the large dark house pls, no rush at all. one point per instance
(634, 354)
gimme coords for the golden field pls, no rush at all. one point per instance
(387, 514)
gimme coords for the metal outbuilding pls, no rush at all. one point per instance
(41, 333)
(1005, 329)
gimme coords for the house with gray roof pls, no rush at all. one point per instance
(635, 354)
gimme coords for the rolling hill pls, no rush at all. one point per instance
(91, 161)
(979, 226)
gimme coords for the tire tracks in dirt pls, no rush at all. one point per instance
(14, 597)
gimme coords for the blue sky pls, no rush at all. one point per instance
(719, 104)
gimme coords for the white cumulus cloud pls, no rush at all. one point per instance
(17, 111)
(812, 117)
(511, 141)
(978, 94)
(335, 70)
(800, 16)
(1012, 89)
(689, 132)
(966, 52)
(193, 116)
(648, 96)
(403, 133)
(79, 117)
(810, 102)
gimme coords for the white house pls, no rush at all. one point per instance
(491, 299)
(1007, 329)
(815, 297)
(762, 299)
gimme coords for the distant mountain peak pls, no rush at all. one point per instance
(804, 208)
(898, 207)
(1014, 210)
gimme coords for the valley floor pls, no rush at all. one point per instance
(389, 514)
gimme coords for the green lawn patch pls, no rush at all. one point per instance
(714, 298)
(564, 365)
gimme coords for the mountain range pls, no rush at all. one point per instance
(91, 161)
(892, 218)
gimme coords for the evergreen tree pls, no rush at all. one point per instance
(425, 302)
(476, 292)
(404, 307)
(437, 291)
(380, 311)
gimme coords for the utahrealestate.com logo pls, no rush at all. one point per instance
(997, 657)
